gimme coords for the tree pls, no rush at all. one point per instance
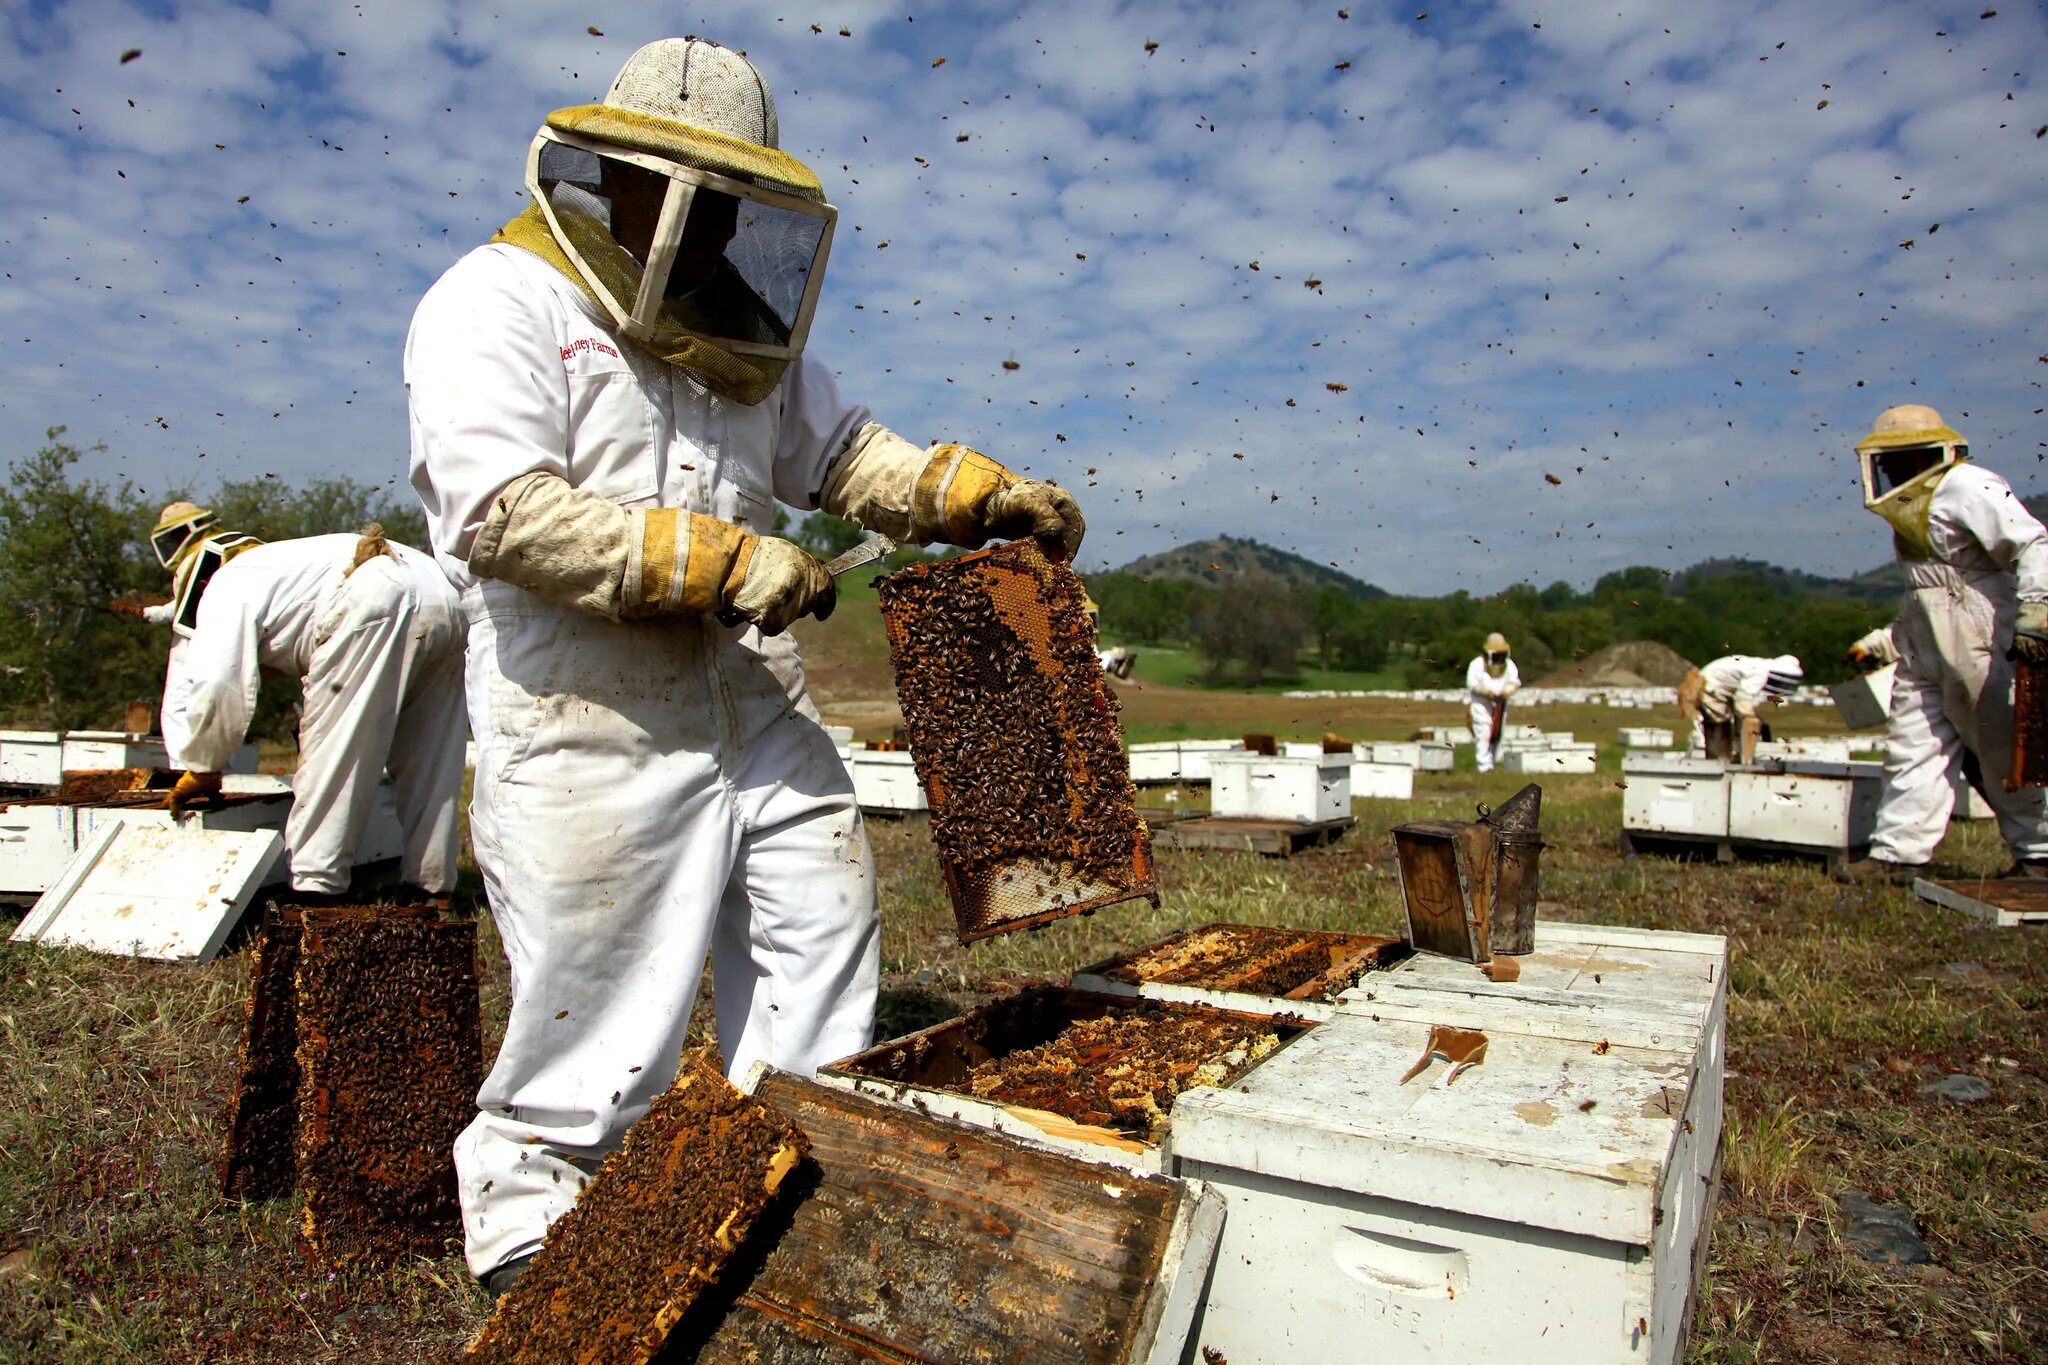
(66, 549)
(270, 509)
(827, 536)
(1252, 627)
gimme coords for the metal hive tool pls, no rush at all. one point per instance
(390, 1056)
(1016, 740)
(655, 1225)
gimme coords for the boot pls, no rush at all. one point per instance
(2032, 869)
(499, 1282)
(1867, 870)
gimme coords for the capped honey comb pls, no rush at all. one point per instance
(1015, 737)
(1254, 959)
(654, 1226)
(390, 1056)
(259, 1126)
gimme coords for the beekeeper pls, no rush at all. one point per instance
(607, 402)
(1490, 680)
(1976, 566)
(372, 631)
(187, 540)
(1720, 699)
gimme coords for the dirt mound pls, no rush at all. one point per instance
(1641, 663)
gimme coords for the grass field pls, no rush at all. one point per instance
(115, 1247)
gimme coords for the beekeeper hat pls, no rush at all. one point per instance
(1784, 677)
(1909, 424)
(1907, 449)
(179, 526)
(692, 102)
(1496, 643)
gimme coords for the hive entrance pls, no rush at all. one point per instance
(1016, 740)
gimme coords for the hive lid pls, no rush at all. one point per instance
(157, 891)
(1508, 1140)
(1678, 765)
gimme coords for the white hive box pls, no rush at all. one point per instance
(1560, 739)
(87, 750)
(1805, 803)
(1674, 794)
(139, 891)
(886, 780)
(1828, 750)
(35, 843)
(31, 758)
(1382, 781)
(1403, 751)
(1435, 757)
(1501, 1217)
(1969, 803)
(1522, 732)
(1577, 760)
(1155, 763)
(1453, 735)
(1645, 737)
(1865, 702)
(1196, 754)
(1247, 786)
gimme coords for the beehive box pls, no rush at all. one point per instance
(1091, 1075)
(1865, 702)
(919, 1239)
(1196, 756)
(1579, 759)
(1674, 794)
(31, 758)
(37, 838)
(1382, 781)
(886, 781)
(1645, 737)
(390, 1057)
(1247, 786)
(1805, 804)
(1015, 734)
(1260, 969)
(1155, 763)
(1828, 749)
(656, 1225)
(1548, 1205)
(1436, 757)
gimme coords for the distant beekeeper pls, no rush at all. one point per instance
(1976, 596)
(1717, 702)
(371, 630)
(607, 401)
(1490, 680)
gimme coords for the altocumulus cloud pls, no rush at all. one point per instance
(1404, 265)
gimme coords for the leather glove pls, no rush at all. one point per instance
(190, 789)
(778, 583)
(1030, 508)
(2030, 634)
(1873, 651)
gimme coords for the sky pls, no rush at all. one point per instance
(1445, 297)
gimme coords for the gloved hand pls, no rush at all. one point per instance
(1030, 508)
(189, 789)
(2030, 634)
(777, 583)
(1873, 651)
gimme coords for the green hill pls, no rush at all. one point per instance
(1211, 562)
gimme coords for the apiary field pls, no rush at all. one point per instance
(115, 1244)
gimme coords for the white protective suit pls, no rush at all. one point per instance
(1481, 690)
(379, 654)
(1954, 689)
(646, 791)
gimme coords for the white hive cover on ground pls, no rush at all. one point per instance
(153, 891)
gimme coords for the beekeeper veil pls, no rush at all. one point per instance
(672, 207)
(1904, 458)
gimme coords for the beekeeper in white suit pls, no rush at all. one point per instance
(1976, 566)
(1717, 702)
(607, 401)
(1490, 679)
(372, 631)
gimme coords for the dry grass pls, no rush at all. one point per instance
(115, 1246)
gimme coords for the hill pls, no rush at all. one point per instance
(1641, 663)
(1212, 562)
(1881, 584)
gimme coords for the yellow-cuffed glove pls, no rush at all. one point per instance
(777, 583)
(1873, 651)
(190, 789)
(2030, 634)
(948, 493)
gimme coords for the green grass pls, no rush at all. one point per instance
(115, 1246)
(1183, 666)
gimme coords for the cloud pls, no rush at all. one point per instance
(1543, 237)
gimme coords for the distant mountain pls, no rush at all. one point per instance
(1875, 585)
(1214, 561)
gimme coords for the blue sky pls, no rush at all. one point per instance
(1351, 279)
